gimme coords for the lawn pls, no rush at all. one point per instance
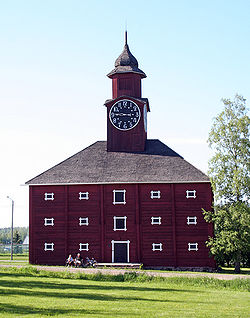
(15, 257)
(33, 293)
(20, 259)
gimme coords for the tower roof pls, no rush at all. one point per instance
(126, 62)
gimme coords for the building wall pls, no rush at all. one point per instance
(174, 234)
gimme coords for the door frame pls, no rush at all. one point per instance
(113, 249)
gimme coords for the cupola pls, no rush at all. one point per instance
(126, 76)
(126, 63)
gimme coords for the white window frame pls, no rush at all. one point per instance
(49, 196)
(120, 218)
(155, 220)
(191, 194)
(83, 195)
(155, 194)
(83, 246)
(193, 246)
(113, 249)
(157, 247)
(49, 246)
(49, 221)
(84, 221)
(191, 220)
(124, 193)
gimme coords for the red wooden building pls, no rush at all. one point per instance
(127, 200)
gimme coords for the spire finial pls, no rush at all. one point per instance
(126, 37)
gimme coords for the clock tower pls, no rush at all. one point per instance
(127, 110)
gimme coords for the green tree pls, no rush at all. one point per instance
(16, 237)
(229, 172)
(5, 234)
(17, 240)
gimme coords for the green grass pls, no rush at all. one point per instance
(20, 259)
(230, 270)
(236, 284)
(15, 257)
(28, 292)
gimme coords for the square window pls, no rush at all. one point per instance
(49, 246)
(157, 247)
(155, 194)
(120, 223)
(83, 221)
(193, 246)
(83, 246)
(192, 220)
(83, 195)
(48, 196)
(191, 194)
(119, 196)
(155, 220)
(48, 221)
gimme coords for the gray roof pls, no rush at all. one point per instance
(157, 164)
(126, 62)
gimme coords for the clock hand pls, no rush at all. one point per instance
(121, 114)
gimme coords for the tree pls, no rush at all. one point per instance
(5, 234)
(229, 172)
(17, 237)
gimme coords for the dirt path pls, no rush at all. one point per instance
(122, 271)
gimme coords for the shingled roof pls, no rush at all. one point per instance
(157, 164)
(126, 62)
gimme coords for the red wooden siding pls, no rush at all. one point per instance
(192, 233)
(42, 234)
(128, 210)
(156, 233)
(173, 233)
(89, 208)
(128, 84)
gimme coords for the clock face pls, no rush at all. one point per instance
(125, 114)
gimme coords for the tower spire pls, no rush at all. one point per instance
(126, 37)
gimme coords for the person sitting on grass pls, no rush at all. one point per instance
(78, 260)
(70, 261)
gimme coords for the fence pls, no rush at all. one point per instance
(17, 248)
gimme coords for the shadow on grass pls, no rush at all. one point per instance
(77, 295)
(26, 310)
(30, 284)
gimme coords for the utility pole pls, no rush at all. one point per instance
(12, 214)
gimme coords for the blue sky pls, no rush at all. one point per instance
(54, 57)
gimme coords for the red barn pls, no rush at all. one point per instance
(127, 200)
